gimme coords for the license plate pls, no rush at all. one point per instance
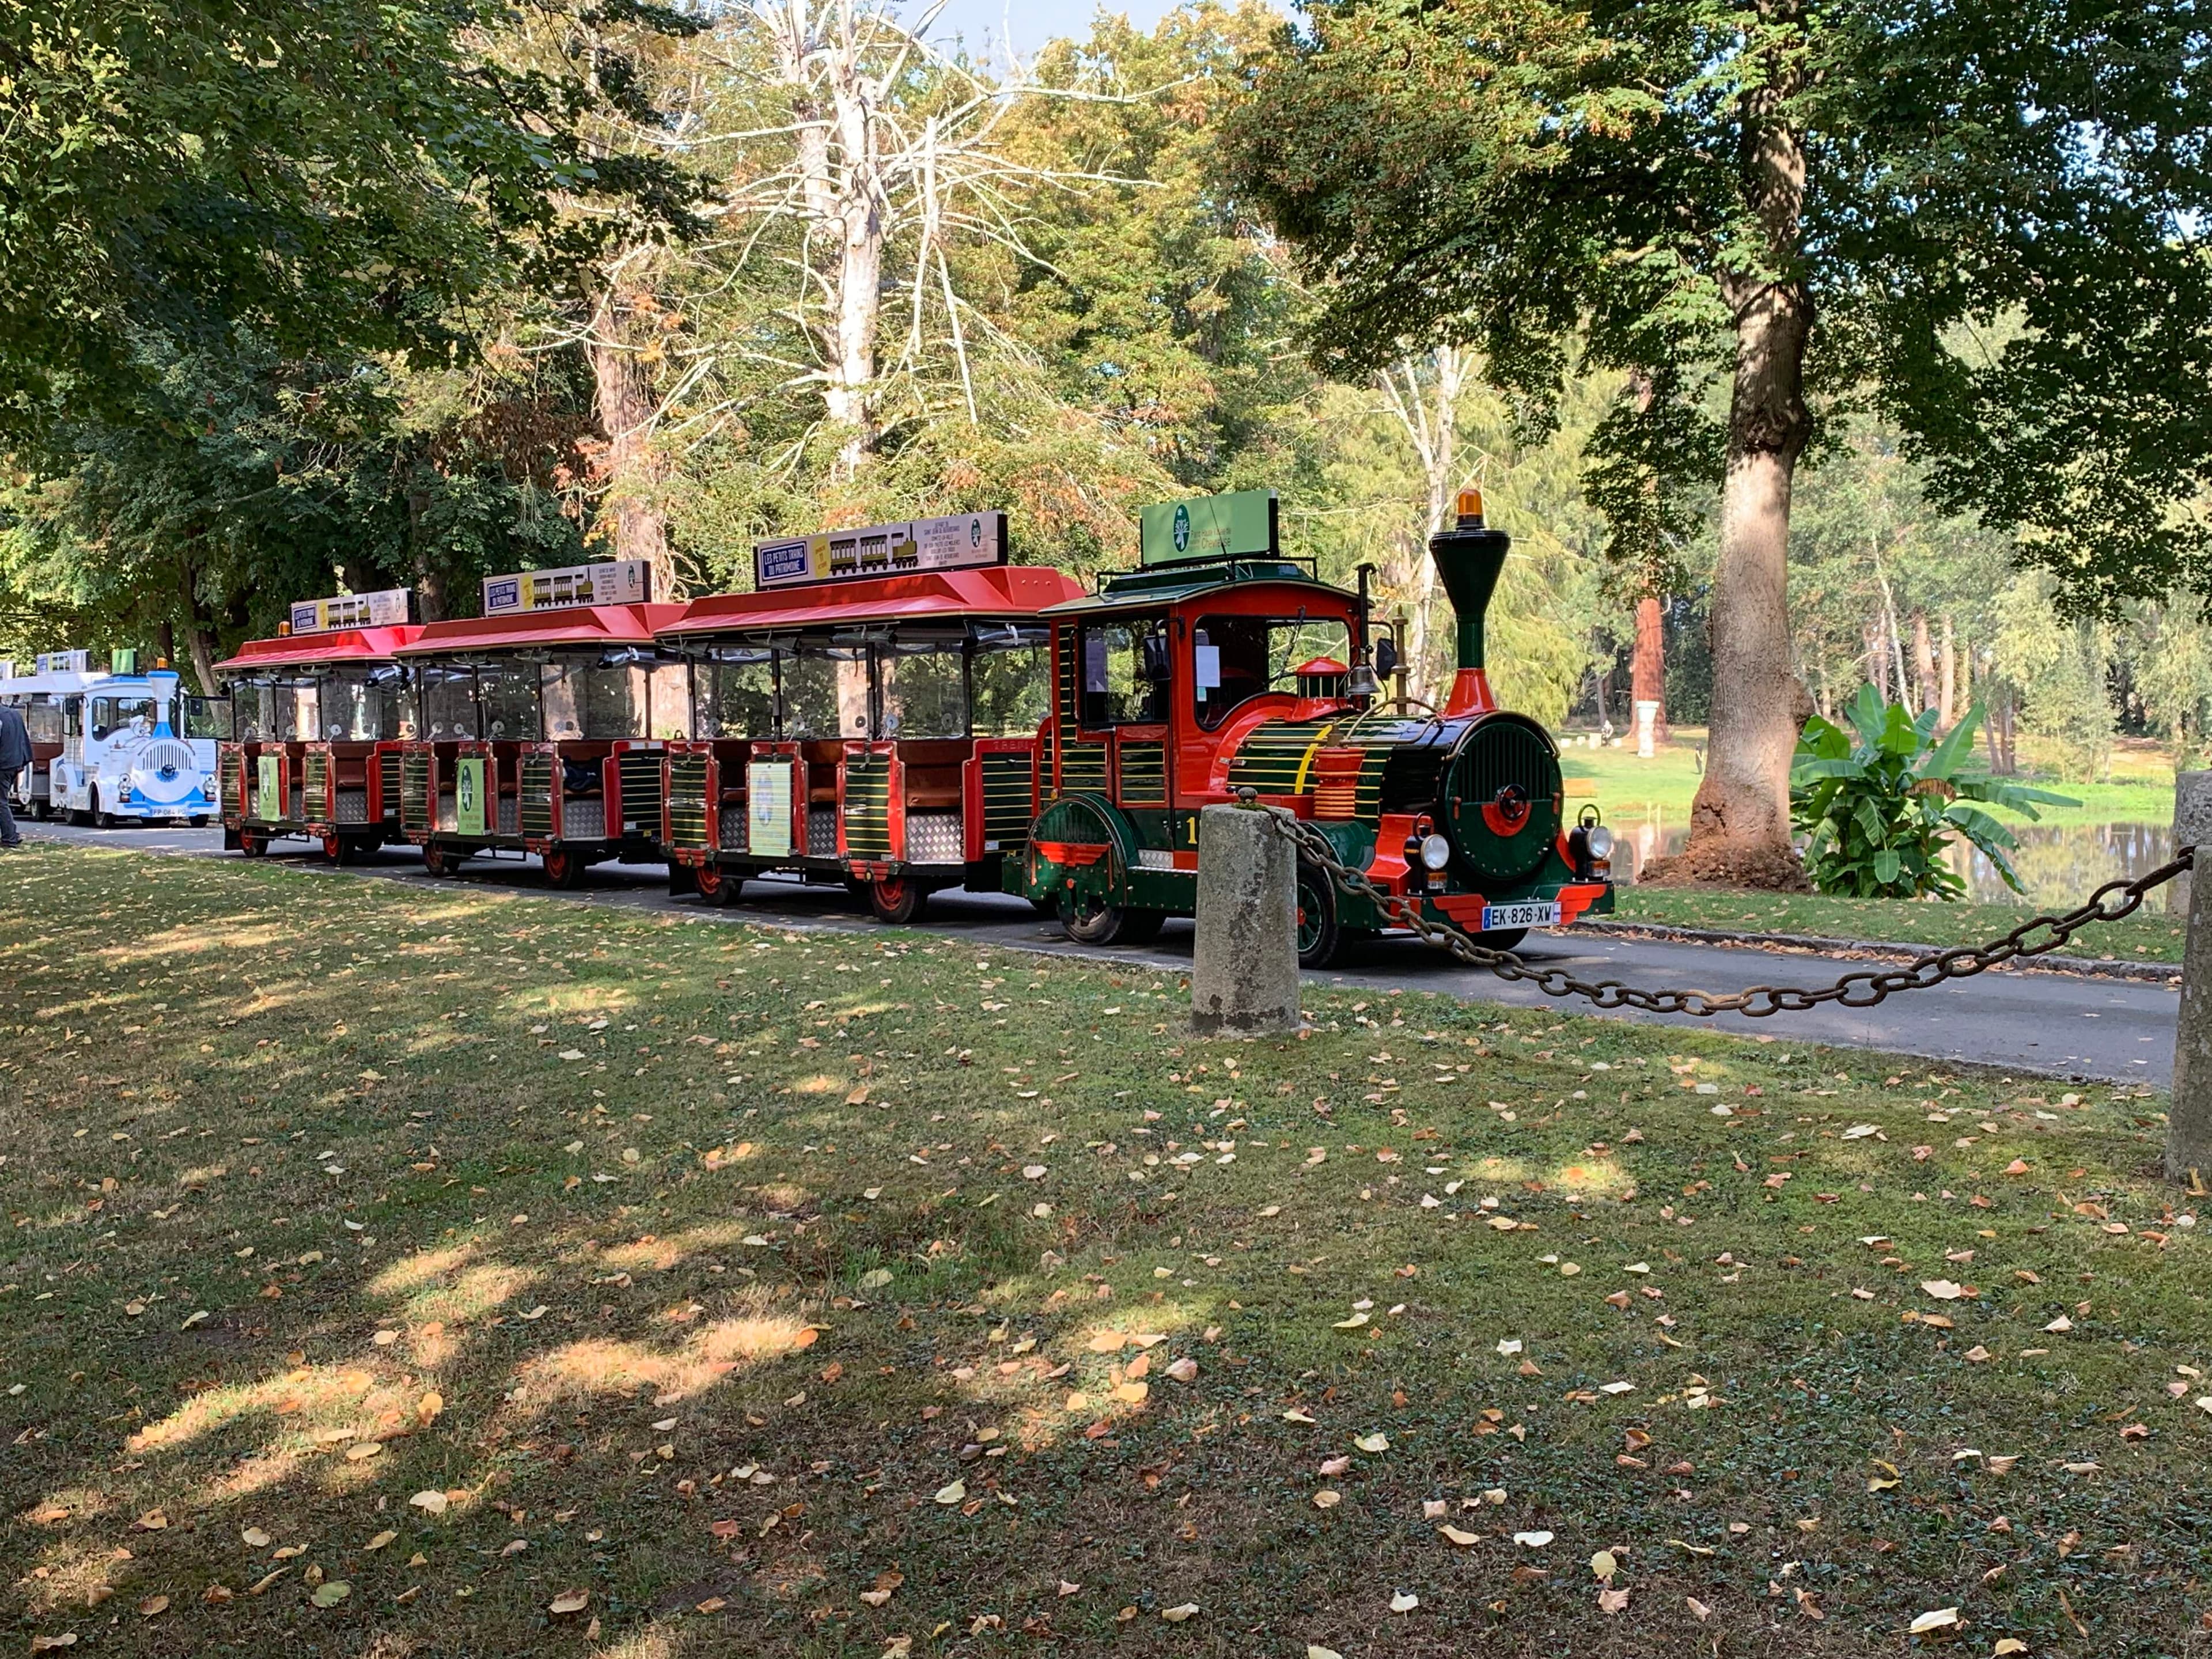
(1495, 918)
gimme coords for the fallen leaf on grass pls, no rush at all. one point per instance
(1462, 1540)
(380, 1541)
(430, 1503)
(330, 1594)
(1698, 1610)
(1534, 1540)
(1939, 1619)
(568, 1602)
(48, 1644)
(1942, 1289)
(1612, 1601)
(1326, 1499)
(1176, 1615)
(153, 1604)
(1373, 1443)
(953, 1493)
(1404, 1602)
(1604, 1564)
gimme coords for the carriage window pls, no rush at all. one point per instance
(252, 710)
(592, 700)
(356, 709)
(1125, 673)
(734, 695)
(1010, 679)
(509, 692)
(825, 691)
(922, 676)
(73, 718)
(207, 717)
(43, 722)
(449, 702)
(110, 716)
(667, 701)
(291, 708)
(1235, 659)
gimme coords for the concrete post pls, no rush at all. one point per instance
(1244, 977)
(2192, 824)
(2189, 1126)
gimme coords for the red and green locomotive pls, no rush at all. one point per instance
(1220, 664)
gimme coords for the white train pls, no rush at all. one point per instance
(108, 748)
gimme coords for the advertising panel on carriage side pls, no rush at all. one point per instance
(386, 608)
(607, 582)
(64, 662)
(962, 541)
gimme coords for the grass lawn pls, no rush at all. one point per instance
(2146, 936)
(400, 1269)
(1629, 790)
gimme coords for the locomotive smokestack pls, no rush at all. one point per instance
(1469, 557)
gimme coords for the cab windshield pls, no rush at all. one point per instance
(113, 716)
(1236, 658)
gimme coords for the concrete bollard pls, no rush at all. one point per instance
(2188, 1125)
(1244, 978)
(2192, 824)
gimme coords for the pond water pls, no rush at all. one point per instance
(2058, 864)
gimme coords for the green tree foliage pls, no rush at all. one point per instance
(1811, 207)
(1880, 804)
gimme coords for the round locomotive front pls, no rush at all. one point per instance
(1502, 796)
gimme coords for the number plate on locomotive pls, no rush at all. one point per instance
(1497, 917)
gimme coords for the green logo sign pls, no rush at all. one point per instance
(1241, 525)
(468, 795)
(268, 803)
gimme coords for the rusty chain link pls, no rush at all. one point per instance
(1861, 988)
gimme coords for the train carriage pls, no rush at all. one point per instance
(317, 715)
(125, 746)
(542, 724)
(868, 715)
(50, 700)
(1220, 666)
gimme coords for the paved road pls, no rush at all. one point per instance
(2059, 1024)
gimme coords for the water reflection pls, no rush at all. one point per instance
(2059, 865)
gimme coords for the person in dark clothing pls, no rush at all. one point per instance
(15, 756)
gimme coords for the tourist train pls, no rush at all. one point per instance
(115, 746)
(900, 709)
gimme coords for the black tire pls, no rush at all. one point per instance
(1504, 938)
(199, 822)
(1319, 936)
(718, 886)
(564, 867)
(898, 900)
(1109, 924)
(104, 819)
(253, 843)
(437, 862)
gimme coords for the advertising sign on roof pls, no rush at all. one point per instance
(957, 542)
(64, 662)
(609, 581)
(1209, 527)
(387, 608)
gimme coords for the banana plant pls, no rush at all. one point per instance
(1878, 804)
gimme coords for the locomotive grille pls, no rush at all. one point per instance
(1144, 774)
(317, 783)
(868, 806)
(687, 800)
(1064, 660)
(387, 771)
(234, 784)
(1009, 803)
(537, 807)
(415, 789)
(640, 772)
(1502, 795)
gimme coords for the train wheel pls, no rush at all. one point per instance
(718, 886)
(564, 867)
(1108, 924)
(1319, 936)
(1504, 938)
(253, 844)
(896, 900)
(199, 822)
(437, 861)
(100, 816)
(334, 848)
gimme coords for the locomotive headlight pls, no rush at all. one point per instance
(1436, 852)
(1599, 840)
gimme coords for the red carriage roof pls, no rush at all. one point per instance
(1017, 590)
(338, 645)
(577, 624)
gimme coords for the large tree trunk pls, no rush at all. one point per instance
(1648, 666)
(1740, 821)
(630, 517)
(1923, 665)
(1947, 677)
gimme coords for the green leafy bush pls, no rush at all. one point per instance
(1879, 805)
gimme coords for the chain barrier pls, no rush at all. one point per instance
(1861, 988)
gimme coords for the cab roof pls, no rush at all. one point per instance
(572, 625)
(338, 645)
(1006, 590)
(1178, 584)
